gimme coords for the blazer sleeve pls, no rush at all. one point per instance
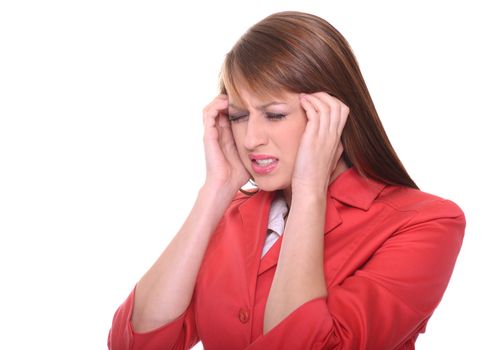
(389, 300)
(179, 334)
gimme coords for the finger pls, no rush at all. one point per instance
(216, 102)
(330, 111)
(211, 111)
(323, 112)
(226, 138)
(336, 104)
(337, 156)
(312, 126)
(339, 150)
(210, 117)
(345, 112)
(227, 142)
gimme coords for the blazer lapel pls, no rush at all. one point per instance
(333, 218)
(255, 215)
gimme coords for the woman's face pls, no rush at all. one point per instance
(267, 132)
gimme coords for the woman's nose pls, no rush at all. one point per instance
(256, 133)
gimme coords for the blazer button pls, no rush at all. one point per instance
(244, 315)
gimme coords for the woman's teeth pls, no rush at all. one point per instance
(265, 162)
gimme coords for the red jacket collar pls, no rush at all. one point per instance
(349, 188)
(355, 190)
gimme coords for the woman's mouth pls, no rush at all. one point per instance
(263, 164)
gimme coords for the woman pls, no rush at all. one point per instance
(337, 249)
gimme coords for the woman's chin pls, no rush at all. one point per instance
(270, 186)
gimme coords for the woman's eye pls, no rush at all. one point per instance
(275, 116)
(236, 117)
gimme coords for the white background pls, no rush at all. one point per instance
(101, 143)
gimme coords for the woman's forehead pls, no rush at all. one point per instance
(243, 95)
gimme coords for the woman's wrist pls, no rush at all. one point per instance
(308, 200)
(217, 193)
(309, 194)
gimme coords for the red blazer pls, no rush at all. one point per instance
(388, 256)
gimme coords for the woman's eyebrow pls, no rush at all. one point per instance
(261, 107)
(235, 107)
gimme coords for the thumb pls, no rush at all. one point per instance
(337, 156)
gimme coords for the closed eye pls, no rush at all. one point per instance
(275, 116)
(234, 118)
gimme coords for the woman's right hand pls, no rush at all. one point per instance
(224, 169)
(166, 290)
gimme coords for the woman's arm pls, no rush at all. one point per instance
(299, 275)
(165, 291)
(386, 301)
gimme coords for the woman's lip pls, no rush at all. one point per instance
(264, 169)
(260, 156)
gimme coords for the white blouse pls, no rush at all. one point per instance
(275, 227)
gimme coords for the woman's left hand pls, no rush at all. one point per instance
(320, 147)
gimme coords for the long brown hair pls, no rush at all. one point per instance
(300, 52)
